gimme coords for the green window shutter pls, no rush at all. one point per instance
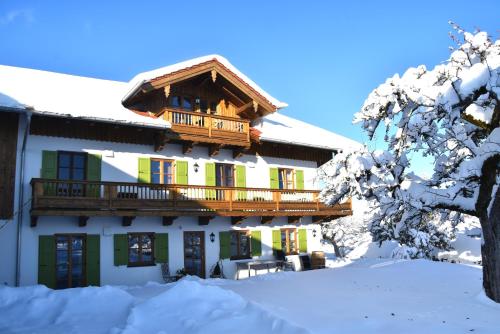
(93, 174)
(276, 241)
(181, 172)
(225, 245)
(299, 179)
(241, 182)
(302, 240)
(47, 261)
(256, 243)
(121, 249)
(161, 247)
(210, 180)
(274, 175)
(49, 165)
(49, 171)
(144, 175)
(93, 267)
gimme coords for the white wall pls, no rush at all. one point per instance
(122, 165)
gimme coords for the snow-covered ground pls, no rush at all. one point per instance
(364, 296)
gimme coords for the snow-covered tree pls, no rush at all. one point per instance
(449, 115)
(344, 234)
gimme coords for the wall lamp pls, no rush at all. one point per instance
(212, 237)
(196, 167)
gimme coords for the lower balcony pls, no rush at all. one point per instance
(85, 199)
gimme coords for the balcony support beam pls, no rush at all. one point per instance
(239, 152)
(294, 219)
(214, 149)
(127, 220)
(34, 221)
(160, 140)
(82, 221)
(237, 220)
(168, 220)
(187, 147)
(266, 219)
(204, 220)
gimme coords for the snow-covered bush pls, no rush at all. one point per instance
(449, 115)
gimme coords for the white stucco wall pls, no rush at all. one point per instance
(122, 165)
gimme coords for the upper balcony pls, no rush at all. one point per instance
(207, 128)
(84, 199)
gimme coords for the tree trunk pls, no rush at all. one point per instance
(489, 217)
(336, 248)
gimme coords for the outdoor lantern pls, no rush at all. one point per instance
(314, 233)
(196, 166)
(212, 237)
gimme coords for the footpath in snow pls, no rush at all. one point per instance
(366, 296)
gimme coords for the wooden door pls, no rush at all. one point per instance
(194, 253)
(70, 260)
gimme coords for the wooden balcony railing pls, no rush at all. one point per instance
(97, 198)
(198, 126)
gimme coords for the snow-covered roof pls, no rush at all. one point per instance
(66, 95)
(144, 77)
(279, 128)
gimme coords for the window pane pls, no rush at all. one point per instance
(186, 103)
(78, 161)
(175, 102)
(281, 181)
(244, 244)
(133, 244)
(147, 250)
(234, 244)
(283, 241)
(155, 166)
(78, 174)
(291, 237)
(63, 173)
(155, 178)
(64, 160)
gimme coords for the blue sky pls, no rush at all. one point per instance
(321, 57)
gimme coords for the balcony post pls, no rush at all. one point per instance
(230, 199)
(209, 125)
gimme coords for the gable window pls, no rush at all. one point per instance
(289, 241)
(224, 175)
(71, 166)
(175, 101)
(286, 179)
(162, 171)
(240, 245)
(140, 249)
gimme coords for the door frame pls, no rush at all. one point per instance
(202, 245)
(70, 259)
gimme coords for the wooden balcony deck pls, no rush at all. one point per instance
(89, 198)
(208, 128)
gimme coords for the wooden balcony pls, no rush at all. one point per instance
(89, 198)
(208, 128)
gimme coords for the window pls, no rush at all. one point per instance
(286, 178)
(187, 103)
(224, 175)
(140, 249)
(240, 245)
(71, 166)
(289, 241)
(175, 101)
(162, 171)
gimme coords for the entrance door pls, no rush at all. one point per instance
(194, 253)
(70, 253)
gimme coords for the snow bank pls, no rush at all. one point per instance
(191, 307)
(42, 310)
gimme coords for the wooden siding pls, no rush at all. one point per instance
(8, 149)
(139, 199)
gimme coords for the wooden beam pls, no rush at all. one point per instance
(238, 152)
(127, 220)
(160, 140)
(34, 221)
(266, 219)
(168, 220)
(294, 219)
(204, 220)
(213, 73)
(244, 107)
(255, 106)
(82, 221)
(214, 149)
(237, 220)
(166, 89)
(187, 147)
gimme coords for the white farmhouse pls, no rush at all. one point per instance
(184, 167)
